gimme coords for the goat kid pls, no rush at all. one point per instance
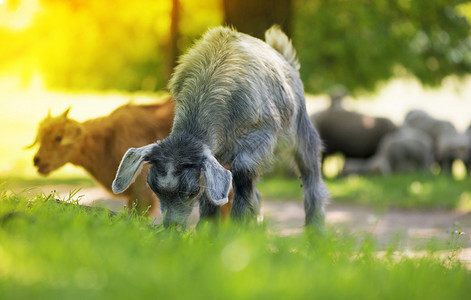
(237, 97)
(98, 144)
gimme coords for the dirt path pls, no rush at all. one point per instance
(411, 228)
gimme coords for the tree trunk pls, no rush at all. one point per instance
(173, 52)
(254, 17)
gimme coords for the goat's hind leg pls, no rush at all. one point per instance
(306, 152)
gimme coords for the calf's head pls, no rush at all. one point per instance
(56, 137)
(181, 171)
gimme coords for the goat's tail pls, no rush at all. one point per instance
(278, 40)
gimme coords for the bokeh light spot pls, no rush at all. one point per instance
(235, 256)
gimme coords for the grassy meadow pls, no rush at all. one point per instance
(53, 250)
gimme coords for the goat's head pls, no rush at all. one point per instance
(182, 170)
(56, 138)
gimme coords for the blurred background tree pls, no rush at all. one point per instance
(133, 45)
(361, 43)
(255, 17)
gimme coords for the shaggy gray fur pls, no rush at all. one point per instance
(236, 97)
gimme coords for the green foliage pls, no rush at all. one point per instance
(361, 43)
(106, 44)
(87, 44)
(55, 250)
(102, 44)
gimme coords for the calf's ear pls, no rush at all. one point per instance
(217, 179)
(130, 167)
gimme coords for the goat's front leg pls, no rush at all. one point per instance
(245, 169)
(208, 211)
(245, 204)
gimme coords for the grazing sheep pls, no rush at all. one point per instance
(353, 134)
(467, 160)
(448, 144)
(236, 98)
(98, 145)
(404, 150)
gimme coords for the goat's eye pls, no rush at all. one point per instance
(58, 138)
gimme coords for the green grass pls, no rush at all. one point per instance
(415, 190)
(418, 191)
(63, 251)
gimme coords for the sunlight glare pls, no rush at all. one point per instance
(20, 16)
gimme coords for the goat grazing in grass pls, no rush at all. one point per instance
(236, 98)
(98, 145)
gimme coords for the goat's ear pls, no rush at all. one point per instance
(217, 179)
(130, 167)
(72, 132)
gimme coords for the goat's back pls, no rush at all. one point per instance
(230, 83)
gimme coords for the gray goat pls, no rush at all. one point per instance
(236, 98)
(404, 150)
(448, 143)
